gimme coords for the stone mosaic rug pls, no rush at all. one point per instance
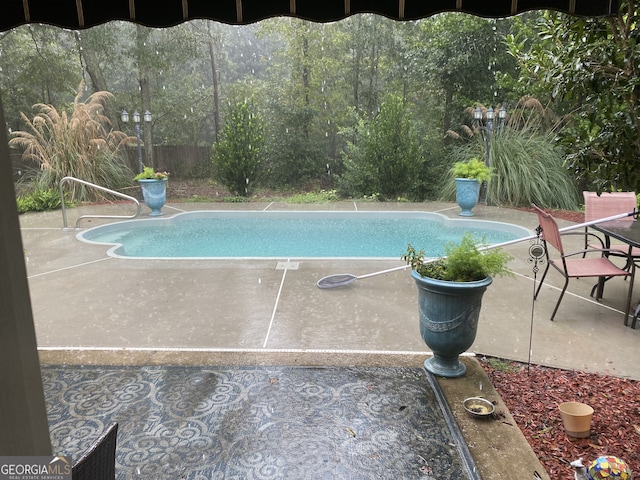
(259, 422)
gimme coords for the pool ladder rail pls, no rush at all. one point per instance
(103, 189)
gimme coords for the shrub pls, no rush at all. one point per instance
(238, 156)
(322, 196)
(39, 201)
(384, 154)
(80, 145)
(472, 168)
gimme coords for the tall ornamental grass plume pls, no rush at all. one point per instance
(528, 164)
(79, 144)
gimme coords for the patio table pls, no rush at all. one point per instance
(624, 230)
(628, 232)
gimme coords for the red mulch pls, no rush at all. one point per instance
(577, 217)
(533, 394)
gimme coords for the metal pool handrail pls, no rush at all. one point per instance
(112, 192)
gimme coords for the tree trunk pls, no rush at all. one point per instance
(357, 58)
(448, 101)
(95, 72)
(216, 94)
(306, 72)
(91, 64)
(142, 36)
(373, 69)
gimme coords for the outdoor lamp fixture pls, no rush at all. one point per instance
(136, 120)
(488, 125)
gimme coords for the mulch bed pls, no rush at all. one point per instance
(532, 395)
(577, 217)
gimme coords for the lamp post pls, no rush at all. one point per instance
(488, 125)
(136, 120)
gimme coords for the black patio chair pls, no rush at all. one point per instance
(98, 462)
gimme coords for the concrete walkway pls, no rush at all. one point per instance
(92, 308)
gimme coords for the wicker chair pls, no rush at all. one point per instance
(98, 462)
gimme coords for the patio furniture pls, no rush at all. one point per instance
(605, 205)
(98, 462)
(629, 234)
(574, 265)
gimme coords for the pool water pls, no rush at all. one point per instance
(242, 234)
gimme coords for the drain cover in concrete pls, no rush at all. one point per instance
(287, 265)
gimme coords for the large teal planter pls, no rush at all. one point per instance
(449, 313)
(467, 194)
(154, 193)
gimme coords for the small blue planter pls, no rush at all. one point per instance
(154, 193)
(449, 313)
(467, 194)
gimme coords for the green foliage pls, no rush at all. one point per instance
(148, 173)
(456, 58)
(529, 168)
(312, 81)
(472, 168)
(322, 196)
(589, 67)
(39, 64)
(384, 155)
(80, 145)
(463, 262)
(296, 152)
(238, 157)
(39, 201)
(527, 165)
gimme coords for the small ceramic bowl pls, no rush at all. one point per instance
(478, 407)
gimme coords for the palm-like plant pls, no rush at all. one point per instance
(80, 145)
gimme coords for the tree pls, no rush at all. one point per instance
(295, 98)
(39, 65)
(457, 56)
(238, 157)
(384, 155)
(591, 68)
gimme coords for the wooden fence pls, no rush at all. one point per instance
(181, 161)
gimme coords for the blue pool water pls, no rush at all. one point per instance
(244, 234)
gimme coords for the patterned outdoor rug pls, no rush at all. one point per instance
(259, 422)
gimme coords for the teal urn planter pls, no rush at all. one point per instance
(154, 193)
(449, 313)
(467, 194)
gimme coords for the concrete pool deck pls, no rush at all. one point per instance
(91, 308)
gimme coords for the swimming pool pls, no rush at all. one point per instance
(287, 234)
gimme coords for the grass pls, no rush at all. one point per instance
(321, 196)
(501, 365)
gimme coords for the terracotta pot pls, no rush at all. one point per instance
(576, 418)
